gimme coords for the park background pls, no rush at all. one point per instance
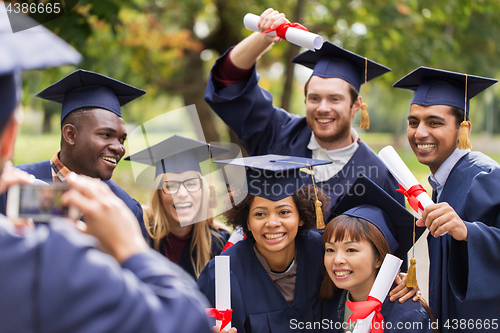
(167, 48)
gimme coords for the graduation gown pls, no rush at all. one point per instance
(185, 260)
(54, 280)
(464, 275)
(263, 129)
(398, 317)
(41, 170)
(258, 306)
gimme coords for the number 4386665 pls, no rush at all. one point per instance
(34, 8)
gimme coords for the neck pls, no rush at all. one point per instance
(180, 232)
(336, 144)
(66, 160)
(360, 293)
(278, 261)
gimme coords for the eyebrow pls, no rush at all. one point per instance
(427, 118)
(349, 242)
(280, 206)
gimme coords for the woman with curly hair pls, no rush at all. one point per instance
(178, 218)
(368, 226)
(276, 271)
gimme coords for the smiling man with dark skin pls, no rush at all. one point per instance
(92, 131)
(464, 224)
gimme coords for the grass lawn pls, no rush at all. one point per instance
(31, 149)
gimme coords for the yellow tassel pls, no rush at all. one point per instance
(320, 223)
(411, 277)
(212, 202)
(463, 140)
(365, 118)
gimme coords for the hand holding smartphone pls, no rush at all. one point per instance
(40, 202)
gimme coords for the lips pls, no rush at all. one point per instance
(274, 236)
(426, 147)
(342, 274)
(183, 207)
(110, 159)
(324, 120)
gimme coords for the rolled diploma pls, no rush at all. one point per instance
(380, 289)
(298, 37)
(401, 172)
(222, 287)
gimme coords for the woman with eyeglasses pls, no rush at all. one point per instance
(178, 218)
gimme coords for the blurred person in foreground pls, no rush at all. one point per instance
(54, 279)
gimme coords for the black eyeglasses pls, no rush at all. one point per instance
(172, 186)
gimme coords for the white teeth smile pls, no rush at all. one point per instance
(324, 121)
(109, 159)
(274, 236)
(426, 147)
(183, 205)
(342, 273)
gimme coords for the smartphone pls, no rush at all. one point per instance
(40, 202)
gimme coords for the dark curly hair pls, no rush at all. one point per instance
(304, 199)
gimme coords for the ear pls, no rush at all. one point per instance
(378, 263)
(356, 106)
(68, 133)
(301, 223)
(470, 126)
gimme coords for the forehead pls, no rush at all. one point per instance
(263, 202)
(442, 111)
(98, 118)
(332, 85)
(180, 176)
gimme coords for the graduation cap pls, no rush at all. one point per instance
(275, 177)
(88, 89)
(368, 201)
(439, 87)
(332, 61)
(34, 48)
(178, 154)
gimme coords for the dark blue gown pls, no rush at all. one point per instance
(185, 260)
(54, 280)
(41, 170)
(398, 317)
(464, 276)
(263, 129)
(258, 305)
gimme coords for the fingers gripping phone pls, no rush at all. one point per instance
(40, 202)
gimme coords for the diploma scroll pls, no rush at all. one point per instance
(401, 172)
(222, 288)
(298, 37)
(380, 289)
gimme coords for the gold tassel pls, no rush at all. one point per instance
(365, 118)
(463, 140)
(411, 277)
(212, 202)
(320, 223)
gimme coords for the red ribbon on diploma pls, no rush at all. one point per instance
(282, 28)
(223, 315)
(361, 310)
(412, 194)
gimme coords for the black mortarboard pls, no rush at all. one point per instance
(439, 87)
(274, 177)
(334, 61)
(88, 89)
(368, 201)
(34, 48)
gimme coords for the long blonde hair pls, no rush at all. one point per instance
(158, 227)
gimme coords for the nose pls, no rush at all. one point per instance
(182, 192)
(421, 132)
(323, 105)
(273, 221)
(339, 258)
(117, 147)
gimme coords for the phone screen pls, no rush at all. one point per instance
(38, 202)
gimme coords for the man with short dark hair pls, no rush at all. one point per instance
(331, 100)
(464, 224)
(92, 131)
